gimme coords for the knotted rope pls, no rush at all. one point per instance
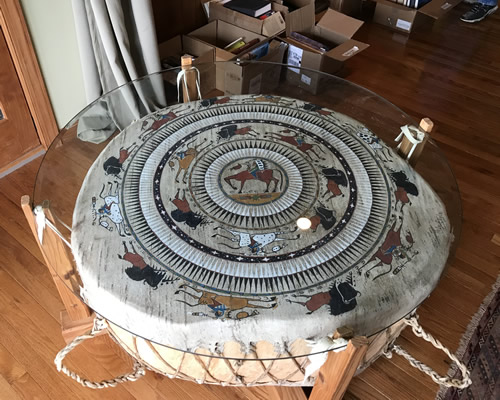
(414, 135)
(42, 221)
(181, 79)
(441, 380)
(99, 325)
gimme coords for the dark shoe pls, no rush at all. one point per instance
(478, 12)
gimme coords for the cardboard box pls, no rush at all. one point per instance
(301, 18)
(405, 19)
(347, 7)
(204, 56)
(333, 29)
(271, 26)
(219, 34)
(253, 78)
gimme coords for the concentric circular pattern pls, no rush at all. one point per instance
(261, 160)
(290, 189)
(214, 196)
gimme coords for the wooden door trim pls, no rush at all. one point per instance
(25, 61)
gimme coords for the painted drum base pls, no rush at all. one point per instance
(239, 368)
(185, 229)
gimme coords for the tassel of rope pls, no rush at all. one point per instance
(99, 325)
(441, 380)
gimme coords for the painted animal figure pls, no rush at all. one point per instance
(230, 131)
(335, 179)
(140, 270)
(255, 242)
(183, 213)
(217, 314)
(268, 98)
(404, 188)
(340, 298)
(315, 108)
(257, 171)
(392, 249)
(215, 100)
(374, 142)
(113, 166)
(324, 217)
(222, 305)
(110, 210)
(152, 124)
(185, 158)
(298, 142)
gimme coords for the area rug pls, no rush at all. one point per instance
(479, 349)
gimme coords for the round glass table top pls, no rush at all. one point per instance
(275, 212)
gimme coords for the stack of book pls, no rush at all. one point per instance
(308, 43)
(239, 45)
(253, 8)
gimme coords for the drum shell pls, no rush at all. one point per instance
(238, 368)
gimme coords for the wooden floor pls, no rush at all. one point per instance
(450, 73)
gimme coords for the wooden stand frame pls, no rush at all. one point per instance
(77, 317)
(334, 376)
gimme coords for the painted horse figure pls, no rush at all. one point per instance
(215, 100)
(316, 108)
(335, 178)
(113, 166)
(324, 217)
(183, 212)
(374, 142)
(229, 131)
(267, 98)
(256, 171)
(110, 210)
(392, 249)
(152, 124)
(255, 242)
(340, 298)
(404, 188)
(140, 270)
(185, 158)
(298, 142)
(222, 306)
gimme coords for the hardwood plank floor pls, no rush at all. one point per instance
(449, 72)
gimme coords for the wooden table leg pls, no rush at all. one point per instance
(338, 370)
(58, 261)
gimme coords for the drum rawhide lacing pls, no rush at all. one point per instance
(205, 362)
(440, 380)
(99, 325)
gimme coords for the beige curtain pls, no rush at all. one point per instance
(117, 44)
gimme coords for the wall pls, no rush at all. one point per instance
(52, 31)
